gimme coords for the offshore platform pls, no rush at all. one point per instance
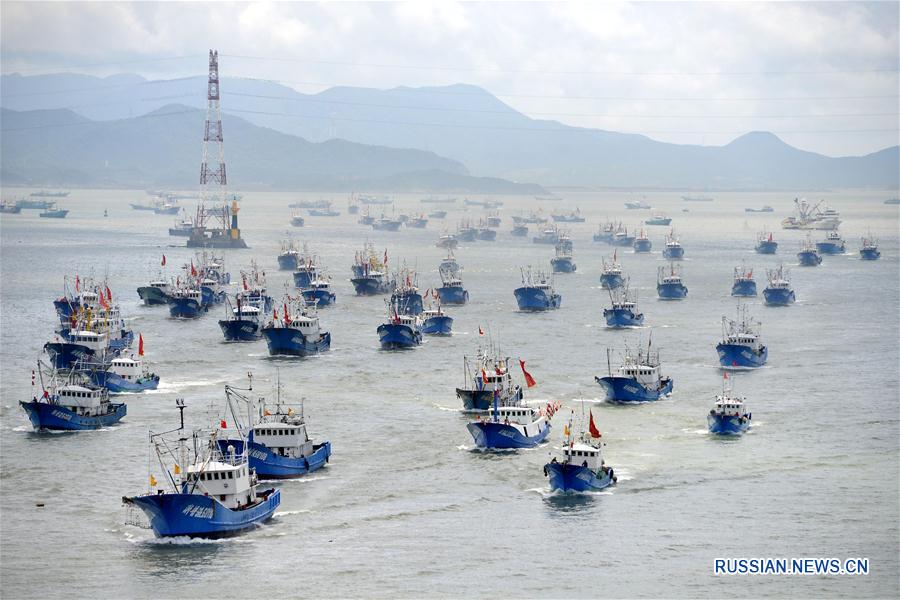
(215, 226)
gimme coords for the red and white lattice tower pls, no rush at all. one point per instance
(212, 178)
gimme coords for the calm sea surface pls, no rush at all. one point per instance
(406, 507)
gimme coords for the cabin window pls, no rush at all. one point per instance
(231, 475)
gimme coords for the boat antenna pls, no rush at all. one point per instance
(179, 402)
(608, 365)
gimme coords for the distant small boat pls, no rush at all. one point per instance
(297, 221)
(447, 241)
(563, 261)
(437, 214)
(743, 283)
(419, 222)
(297, 332)
(7, 207)
(605, 232)
(48, 194)
(765, 244)
(310, 204)
(289, 257)
(401, 330)
(126, 375)
(832, 244)
(779, 292)
(54, 213)
(438, 200)
(741, 346)
(623, 311)
(637, 205)
(166, 208)
(370, 273)
(868, 249)
(582, 468)
(508, 427)
(570, 217)
(638, 379)
(764, 209)
(658, 220)
(452, 290)
(547, 236)
(621, 237)
(323, 212)
(434, 320)
(697, 198)
(35, 204)
(520, 231)
(642, 243)
(669, 285)
(809, 255)
(71, 405)
(673, 249)
(386, 224)
(892, 201)
(611, 273)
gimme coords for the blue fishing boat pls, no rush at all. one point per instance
(297, 220)
(622, 238)
(563, 261)
(493, 220)
(549, 235)
(669, 285)
(484, 232)
(868, 249)
(642, 243)
(574, 216)
(91, 309)
(406, 297)
(611, 273)
(509, 427)
(537, 292)
(289, 257)
(54, 213)
(155, 293)
(278, 445)
(79, 346)
(743, 283)
(832, 244)
(582, 468)
(307, 269)
(243, 321)
(208, 493)
(658, 219)
(386, 224)
(370, 273)
(402, 330)
(126, 375)
(485, 376)
(741, 346)
(533, 218)
(673, 249)
(638, 379)
(319, 292)
(637, 205)
(448, 241)
(436, 322)
(449, 264)
(779, 291)
(519, 230)
(417, 222)
(437, 214)
(729, 415)
(186, 302)
(765, 244)
(70, 405)
(297, 332)
(466, 231)
(253, 289)
(808, 255)
(605, 232)
(624, 311)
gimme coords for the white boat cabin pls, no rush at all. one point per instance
(246, 312)
(160, 285)
(729, 406)
(187, 294)
(129, 369)
(233, 485)
(516, 415)
(96, 341)
(645, 374)
(82, 400)
(286, 438)
(583, 454)
(307, 325)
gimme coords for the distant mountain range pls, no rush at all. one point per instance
(468, 125)
(162, 148)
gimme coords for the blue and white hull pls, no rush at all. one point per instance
(241, 330)
(727, 424)
(778, 296)
(642, 246)
(370, 286)
(116, 384)
(625, 389)
(671, 291)
(453, 295)
(288, 262)
(576, 478)
(198, 515)
(830, 247)
(536, 299)
(766, 247)
(284, 341)
(395, 337)
(736, 355)
(673, 253)
(869, 253)
(65, 355)
(500, 436)
(563, 264)
(319, 297)
(185, 308)
(611, 281)
(269, 465)
(45, 416)
(809, 258)
(622, 317)
(439, 325)
(743, 288)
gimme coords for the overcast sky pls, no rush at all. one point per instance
(823, 76)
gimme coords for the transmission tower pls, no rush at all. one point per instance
(213, 181)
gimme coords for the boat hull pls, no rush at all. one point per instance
(240, 330)
(439, 325)
(185, 308)
(830, 247)
(396, 337)
(152, 296)
(196, 515)
(624, 389)
(319, 297)
(570, 478)
(287, 262)
(284, 341)
(727, 425)
(51, 417)
(534, 299)
(563, 265)
(809, 259)
(642, 246)
(778, 296)
(671, 291)
(870, 254)
(453, 295)
(743, 288)
(767, 247)
(611, 281)
(370, 286)
(475, 401)
(622, 317)
(673, 253)
(735, 355)
(116, 384)
(500, 436)
(269, 465)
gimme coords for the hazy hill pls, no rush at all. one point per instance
(471, 126)
(163, 148)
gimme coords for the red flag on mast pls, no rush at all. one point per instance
(193, 270)
(140, 344)
(483, 377)
(77, 284)
(163, 263)
(593, 428)
(108, 294)
(287, 318)
(480, 330)
(529, 380)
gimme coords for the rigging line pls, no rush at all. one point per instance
(553, 72)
